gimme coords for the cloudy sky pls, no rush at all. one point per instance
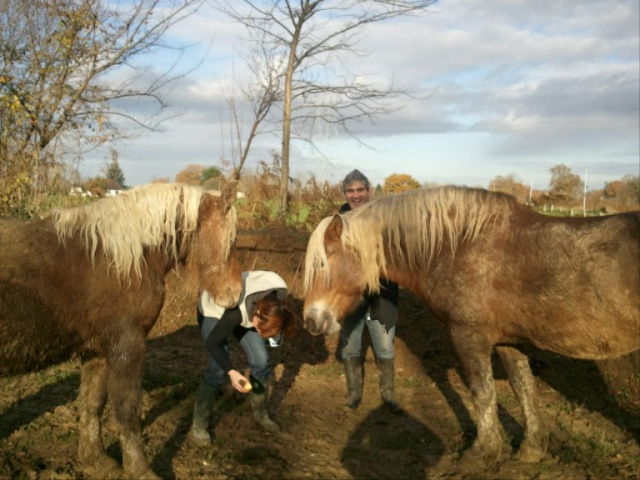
(503, 87)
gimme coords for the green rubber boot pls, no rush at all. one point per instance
(353, 373)
(199, 432)
(259, 397)
(386, 369)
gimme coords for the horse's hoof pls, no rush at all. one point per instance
(474, 460)
(471, 461)
(102, 466)
(529, 453)
(199, 438)
(148, 475)
(352, 404)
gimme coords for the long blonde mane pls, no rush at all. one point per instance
(415, 226)
(152, 216)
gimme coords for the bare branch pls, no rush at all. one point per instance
(69, 70)
(310, 36)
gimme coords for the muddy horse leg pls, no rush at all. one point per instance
(126, 359)
(91, 402)
(474, 350)
(516, 365)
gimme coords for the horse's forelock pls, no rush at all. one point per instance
(364, 238)
(316, 264)
(316, 261)
(124, 225)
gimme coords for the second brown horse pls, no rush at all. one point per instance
(498, 275)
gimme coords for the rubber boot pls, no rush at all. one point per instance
(259, 396)
(385, 367)
(199, 432)
(353, 373)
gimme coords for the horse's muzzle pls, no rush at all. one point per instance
(320, 322)
(228, 298)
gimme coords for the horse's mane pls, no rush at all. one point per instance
(415, 225)
(154, 216)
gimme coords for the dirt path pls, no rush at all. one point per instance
(591, 437)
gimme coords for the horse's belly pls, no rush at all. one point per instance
(32, 332)
(588, 338)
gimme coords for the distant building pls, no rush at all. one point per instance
(79, 192)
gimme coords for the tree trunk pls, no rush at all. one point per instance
(286, 125)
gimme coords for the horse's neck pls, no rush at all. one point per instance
(402, 275)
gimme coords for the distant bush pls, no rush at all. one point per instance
(308, 203)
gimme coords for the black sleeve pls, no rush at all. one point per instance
(389, 291)
(231, 318)
(384, 306)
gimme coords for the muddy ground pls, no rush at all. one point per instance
(592, 411)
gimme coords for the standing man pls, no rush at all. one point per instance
(378, 312)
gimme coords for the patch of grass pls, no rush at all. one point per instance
(543, 467)
(562, 406)
(507, 399)
(414, 381)
(330, 369)
(67, 435)
(597, 451)
(56, 373)
(604, 447)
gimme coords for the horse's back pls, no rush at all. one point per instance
(56, 302)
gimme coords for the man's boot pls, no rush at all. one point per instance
(353, 373)
(386, 369)
(199, 432)
(259, 397)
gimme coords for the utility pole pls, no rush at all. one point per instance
(584, 198)
(530, 191)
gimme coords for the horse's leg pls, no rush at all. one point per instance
(516, 365)
(91, 402)
(474, 350)
(125, 374)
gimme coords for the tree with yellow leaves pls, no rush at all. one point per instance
(399, 182)
(58, 97)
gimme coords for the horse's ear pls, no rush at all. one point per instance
(334, 230)
(229, 193)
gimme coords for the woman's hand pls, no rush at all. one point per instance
(239, 382)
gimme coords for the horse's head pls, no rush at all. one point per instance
(334, 279)
(217, 265)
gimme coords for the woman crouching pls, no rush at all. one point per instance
(262, 316)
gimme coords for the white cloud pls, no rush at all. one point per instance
(506, 87)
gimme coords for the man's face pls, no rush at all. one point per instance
(357, 194)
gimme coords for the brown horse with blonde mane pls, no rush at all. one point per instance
(89, 282)
(497, 274)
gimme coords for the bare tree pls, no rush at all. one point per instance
(69, 70)
(312, 35)
(259, 94)
(511, 185)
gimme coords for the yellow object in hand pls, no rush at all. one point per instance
(246, 385)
